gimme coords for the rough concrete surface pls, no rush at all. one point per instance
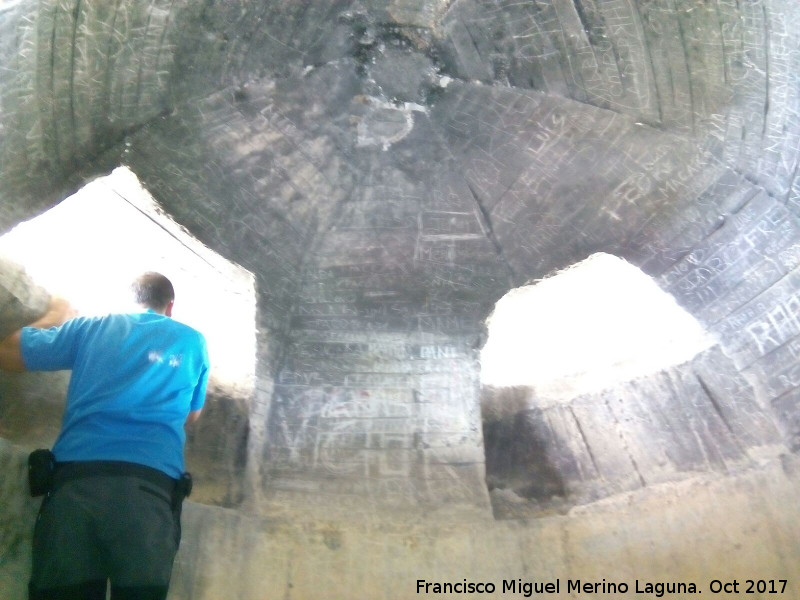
(387, 170)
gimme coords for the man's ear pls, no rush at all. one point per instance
(168, 310)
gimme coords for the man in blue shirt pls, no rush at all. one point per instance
(114, 508)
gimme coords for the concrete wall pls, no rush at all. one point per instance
(722, 527)
(687, 420)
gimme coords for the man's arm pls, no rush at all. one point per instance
(58, 312)
(193, 416)
(199, 395)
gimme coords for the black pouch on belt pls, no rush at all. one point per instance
(41, 464)
(182, 489)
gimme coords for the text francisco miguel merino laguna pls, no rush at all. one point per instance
(528, 588)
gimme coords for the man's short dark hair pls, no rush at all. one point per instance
(153, 290)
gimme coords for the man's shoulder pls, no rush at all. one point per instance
(148, 319)
(181, 326)
(191, 338)
(183, 330)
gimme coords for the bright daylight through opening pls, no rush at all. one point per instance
(93, 244)
(597, 323)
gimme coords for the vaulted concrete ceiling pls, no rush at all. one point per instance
(565, 127)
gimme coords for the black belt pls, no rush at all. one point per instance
(67, 471)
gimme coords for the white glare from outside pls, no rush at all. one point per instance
(597, 323)
(91, 246)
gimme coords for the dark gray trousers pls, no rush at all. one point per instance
(99, 527)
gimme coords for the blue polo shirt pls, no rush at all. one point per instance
(135, 377)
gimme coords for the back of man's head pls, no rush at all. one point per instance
(153, 290)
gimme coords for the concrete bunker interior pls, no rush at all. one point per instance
(387, 170)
